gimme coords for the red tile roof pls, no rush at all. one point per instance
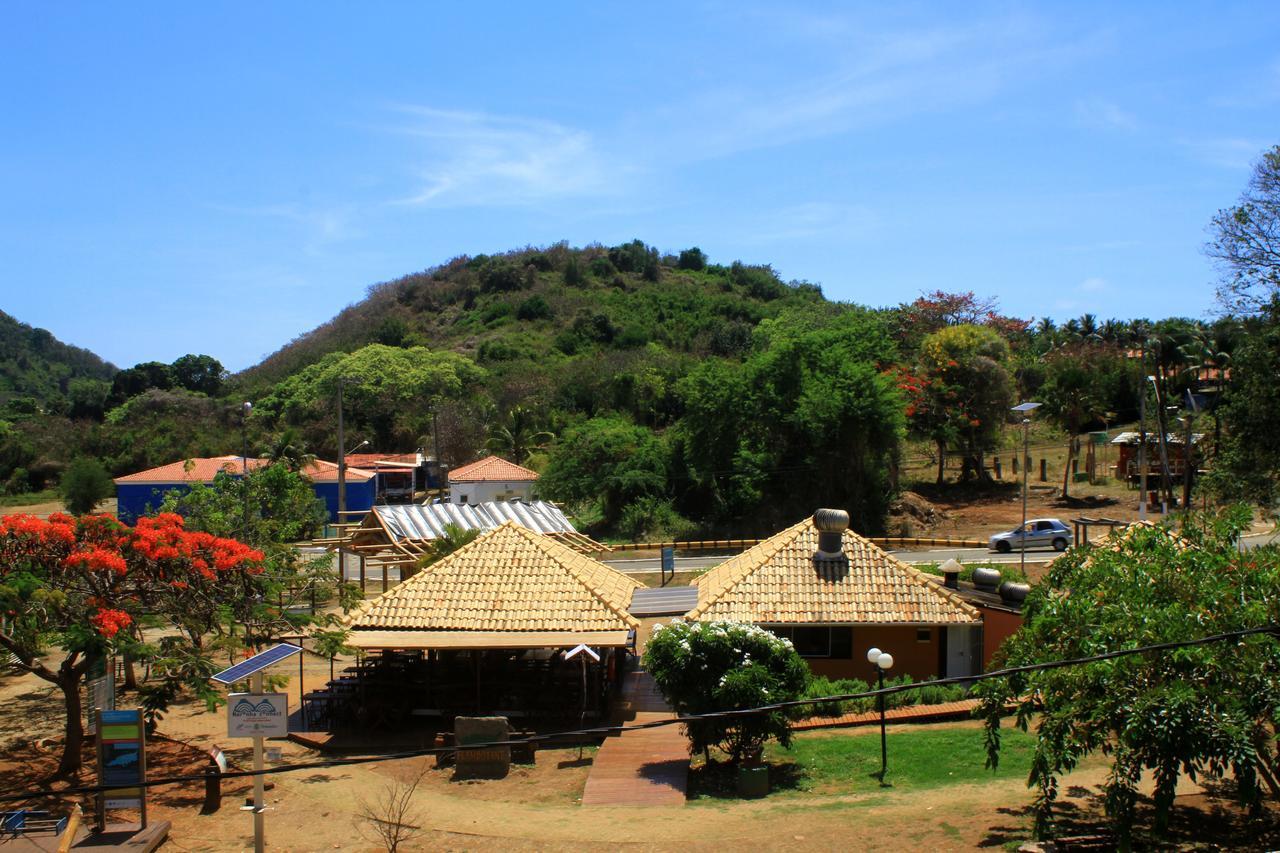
(369, 461)
(491, 468)
(203, 470)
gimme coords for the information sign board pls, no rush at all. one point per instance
(122, 764)
(257, 715)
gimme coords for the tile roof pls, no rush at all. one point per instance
(777, 582)
(507, 579)
(203, 470)
(491, 468)
(369, 461)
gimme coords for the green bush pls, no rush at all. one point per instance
(84, 484)
(533, 308)
(719, 666)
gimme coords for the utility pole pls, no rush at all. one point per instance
(342, 457)
(1142, 437)
(245, 408)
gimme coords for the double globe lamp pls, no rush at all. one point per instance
(882, 661)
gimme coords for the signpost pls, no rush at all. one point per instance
(582, 651)
(258, 715)
(668, 564)
(122, 763)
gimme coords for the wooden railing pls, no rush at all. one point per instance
(744, 544)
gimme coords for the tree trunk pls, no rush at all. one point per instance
(942, 462)
(69, 683)
(1066, 469)
(130, 673)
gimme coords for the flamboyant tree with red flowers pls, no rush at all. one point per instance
(78, 584)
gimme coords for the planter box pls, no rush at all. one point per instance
(753, 782)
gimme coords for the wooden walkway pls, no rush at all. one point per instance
(649, 767)
(961, 710)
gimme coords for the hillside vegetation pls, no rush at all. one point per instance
(50, 375)
(657, 395)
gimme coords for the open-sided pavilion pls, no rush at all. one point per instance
(486, 630)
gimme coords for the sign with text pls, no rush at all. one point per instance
(257, 715)
(122, 764)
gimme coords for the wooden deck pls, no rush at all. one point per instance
(649, 767)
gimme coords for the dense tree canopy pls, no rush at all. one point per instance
(81, 584)
(1203, 710)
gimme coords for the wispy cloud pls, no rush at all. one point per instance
(1104, 115)
(1237, 153)
(319, 225)
(475, 158)
(817, 220)
(879, 76)
(1093, 284)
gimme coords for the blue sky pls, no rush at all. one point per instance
(223, 177)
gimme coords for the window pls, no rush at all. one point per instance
(818, 642)
(1043, 525)
(924, 635)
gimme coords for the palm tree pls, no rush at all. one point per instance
(452, 538)
(289, 450)
(518, 438)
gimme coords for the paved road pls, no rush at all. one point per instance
(964, 555)
(940, 555)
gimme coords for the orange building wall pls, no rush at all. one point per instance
(997, 626)
(910, 657)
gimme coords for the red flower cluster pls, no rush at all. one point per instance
(109, 622)
(58, 530)
(98, 559)
(165, 540)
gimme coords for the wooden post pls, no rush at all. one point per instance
(362, 574)
(1044, 469)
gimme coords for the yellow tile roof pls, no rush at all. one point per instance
(777, 582)
(507, 579)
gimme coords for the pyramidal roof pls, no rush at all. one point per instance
(778, 582)
(507, 579)
(493, 468)
(204, 469)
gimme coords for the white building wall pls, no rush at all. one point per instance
(489, 490)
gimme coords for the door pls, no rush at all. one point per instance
(962, 659)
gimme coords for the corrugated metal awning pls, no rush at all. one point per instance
(427, 521)
(663, 601)
(462, 640)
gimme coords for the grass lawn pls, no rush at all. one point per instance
(30, 498)
(848, 762)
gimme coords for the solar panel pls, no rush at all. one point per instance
(258, 662)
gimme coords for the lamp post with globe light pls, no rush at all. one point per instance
(882, 661)
(1025, 409)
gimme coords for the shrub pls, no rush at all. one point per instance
(721, 666)
(533, 308)
(84, 484)
(692, 259)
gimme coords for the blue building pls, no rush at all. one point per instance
(143, 492)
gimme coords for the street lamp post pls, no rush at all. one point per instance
(245, 408)
(1025, 409)
(882, 661)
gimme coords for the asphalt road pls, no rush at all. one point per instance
(963, 555)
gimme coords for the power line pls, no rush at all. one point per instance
(575, 735)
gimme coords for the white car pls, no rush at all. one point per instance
(1036, 533)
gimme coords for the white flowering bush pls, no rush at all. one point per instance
(722, 666)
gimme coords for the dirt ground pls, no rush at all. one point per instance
(537, 806)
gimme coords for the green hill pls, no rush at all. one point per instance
(555, 304)
(38, 367)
